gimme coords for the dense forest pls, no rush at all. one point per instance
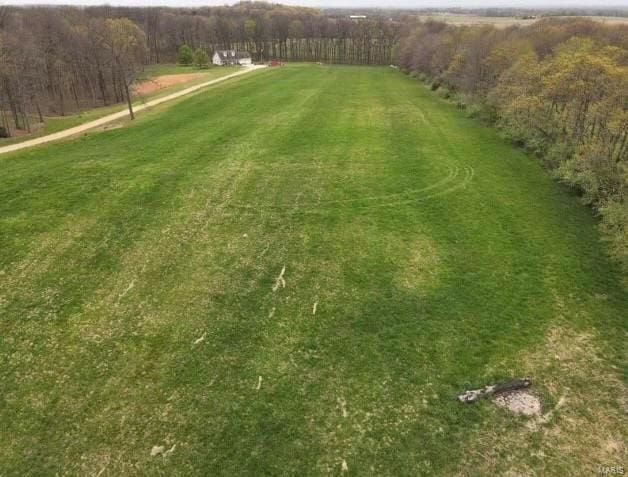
(558, 87)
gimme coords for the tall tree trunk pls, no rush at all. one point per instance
(61, 101)
(128, 99)
(5, 121)
(41, 116)
(125, 82)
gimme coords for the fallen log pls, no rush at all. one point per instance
(476, 394)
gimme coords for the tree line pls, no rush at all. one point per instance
(557, 87)
(266, 30)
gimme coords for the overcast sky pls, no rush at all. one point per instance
(345, 3)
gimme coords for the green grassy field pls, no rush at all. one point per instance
(141, 304)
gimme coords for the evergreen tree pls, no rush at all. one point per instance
(185, 55)
(200, 58)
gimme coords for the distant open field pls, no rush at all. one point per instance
(296, 273)
(503, 22)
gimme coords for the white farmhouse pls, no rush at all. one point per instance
(231, 57)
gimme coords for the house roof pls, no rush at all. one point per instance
(233, 54)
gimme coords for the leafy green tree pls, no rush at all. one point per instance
(186, 56)
(200, 58)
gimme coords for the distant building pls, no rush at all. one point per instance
(231, 57)
(357, 17)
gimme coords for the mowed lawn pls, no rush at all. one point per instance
(141, 304)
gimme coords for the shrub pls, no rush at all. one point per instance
(480, 110)
(200, 58)
(460, 100)
(3, 132)
(443, 93)
(185, 55)
(614, 230)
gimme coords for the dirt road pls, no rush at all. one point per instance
(121, 114)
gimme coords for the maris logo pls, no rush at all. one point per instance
(610, 469)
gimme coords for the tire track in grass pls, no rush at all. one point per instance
(338, 439)
(273, 358)
(282, 232)
(457, 177)
(436, 189)
(71, 222)
(207, 212)
(107, 308)
(114, 189)
(250, 333)
(105, 302)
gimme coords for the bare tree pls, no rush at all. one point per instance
(127, 46)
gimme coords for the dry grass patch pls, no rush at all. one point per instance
(421, 270)
(584, 424)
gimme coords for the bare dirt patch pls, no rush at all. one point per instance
(519, 402)
(161, 82)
